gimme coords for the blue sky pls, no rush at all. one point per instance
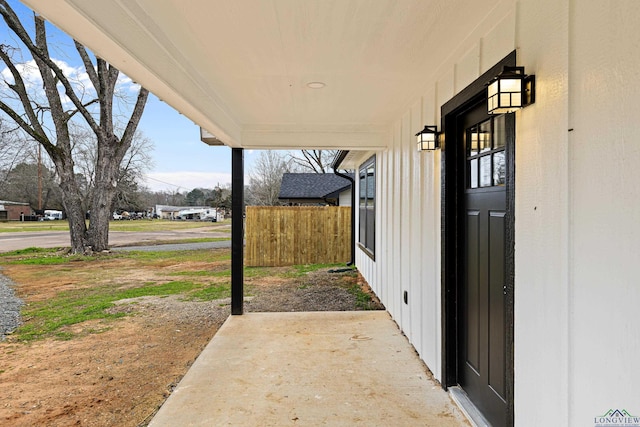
(181, 161)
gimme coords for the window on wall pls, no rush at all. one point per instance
(367, 185)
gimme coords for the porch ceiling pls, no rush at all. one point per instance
(240, 68)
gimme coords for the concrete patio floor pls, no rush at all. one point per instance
(308, 369)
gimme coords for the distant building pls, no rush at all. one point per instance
(204, 213)
(13, 211)
(315, 189)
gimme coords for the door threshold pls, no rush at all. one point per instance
(472, 413)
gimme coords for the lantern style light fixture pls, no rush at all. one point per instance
(427, 138)
(510, 90)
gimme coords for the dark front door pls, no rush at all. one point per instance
(483, 345)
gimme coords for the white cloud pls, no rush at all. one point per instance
(78, 77)
(126, 83)
(29, 72)
(76, 74)
(185, 181)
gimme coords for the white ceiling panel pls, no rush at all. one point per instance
(240, 68)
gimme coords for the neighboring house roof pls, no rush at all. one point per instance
(312, 185)
(8, 202)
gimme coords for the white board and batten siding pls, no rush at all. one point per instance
(577, 203)
(344, 198)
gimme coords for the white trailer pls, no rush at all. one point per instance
(51, 215)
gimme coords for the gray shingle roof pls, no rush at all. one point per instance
(312, 185)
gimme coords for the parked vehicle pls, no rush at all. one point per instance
(51, 215)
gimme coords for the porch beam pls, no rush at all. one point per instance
(330, 138)
(237, 231)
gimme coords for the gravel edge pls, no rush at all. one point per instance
(9, 307)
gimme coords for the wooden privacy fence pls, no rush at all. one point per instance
(293, 235)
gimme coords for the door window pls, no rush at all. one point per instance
(485, 144)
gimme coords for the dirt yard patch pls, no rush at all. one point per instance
(119, 371)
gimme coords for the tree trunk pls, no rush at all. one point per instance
(106, 174)
(98, 232)
(72, 202)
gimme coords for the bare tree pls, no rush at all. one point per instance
(220, 197)
(130, 196)
(265, 180)
(47, 120)
(135, 163)
(12, 150)
(318, 161)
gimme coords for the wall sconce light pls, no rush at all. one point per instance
(427, 138)
(510, 90)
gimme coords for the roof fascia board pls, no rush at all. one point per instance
(354, 158)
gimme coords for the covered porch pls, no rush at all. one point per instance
(364, 77)
(319, 368)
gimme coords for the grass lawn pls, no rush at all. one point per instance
(68, 290)
(106, 337)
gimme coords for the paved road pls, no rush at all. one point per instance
(54, 239)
